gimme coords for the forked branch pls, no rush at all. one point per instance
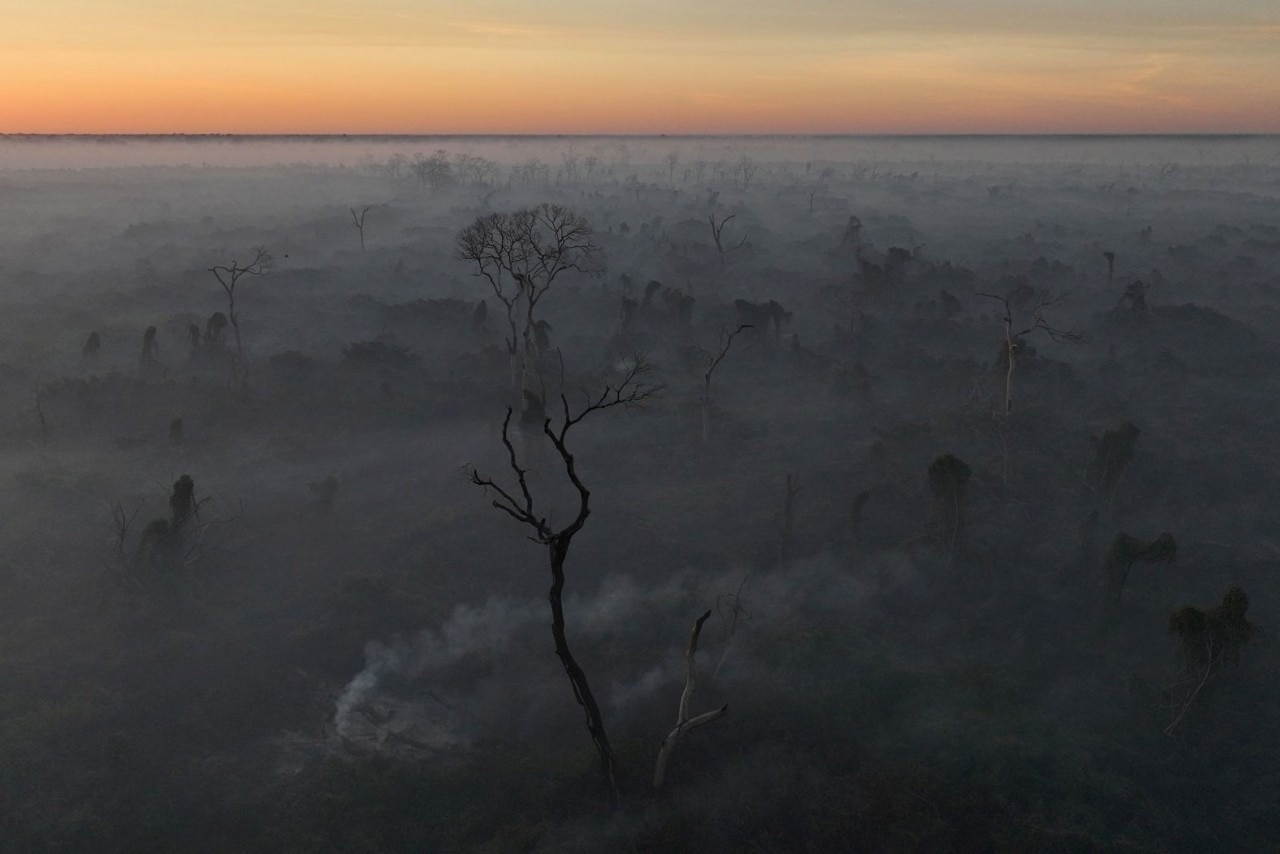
(717, 234)
(684, 723)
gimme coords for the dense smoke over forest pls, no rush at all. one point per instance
(639, 493)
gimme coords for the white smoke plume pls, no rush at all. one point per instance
(502, 634)
(488, 630)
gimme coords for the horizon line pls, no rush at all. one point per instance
(216, 135)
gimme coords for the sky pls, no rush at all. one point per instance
(643, 66)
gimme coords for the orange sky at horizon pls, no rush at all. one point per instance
(417, 66)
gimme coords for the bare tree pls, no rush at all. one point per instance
(518, 503)
(520, 255)
(1015, 342)
(713, 360)
(359, 223)
(717, 234)
(229, 277)
(684, 723)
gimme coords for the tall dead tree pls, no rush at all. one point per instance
(518, 503)
(1015, 342)
(229, 277)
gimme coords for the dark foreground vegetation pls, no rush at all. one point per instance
(922, 495)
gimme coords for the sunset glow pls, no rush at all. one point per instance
(816, 66)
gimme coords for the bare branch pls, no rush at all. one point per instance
(1013, 342)
(683, 722)
(726, 341)
(228, 277)
(629, 391)
(519, 509)
(717, 234)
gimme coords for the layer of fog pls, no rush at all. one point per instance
(400, 614)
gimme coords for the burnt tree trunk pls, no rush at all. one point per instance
(558, 549)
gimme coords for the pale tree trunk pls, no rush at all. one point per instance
(684, 723)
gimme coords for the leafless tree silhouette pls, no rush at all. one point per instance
(1015, 342)
(229, 277)
(520, 255)
(717, 234)
(518, 503)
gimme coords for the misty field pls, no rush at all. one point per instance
(966, 449)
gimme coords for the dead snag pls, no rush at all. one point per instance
(518, 503)
(684, 723)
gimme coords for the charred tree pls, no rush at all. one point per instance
(518, 503)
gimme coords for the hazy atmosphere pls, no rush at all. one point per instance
(711, 493)
(656, 66)
(650, 427)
